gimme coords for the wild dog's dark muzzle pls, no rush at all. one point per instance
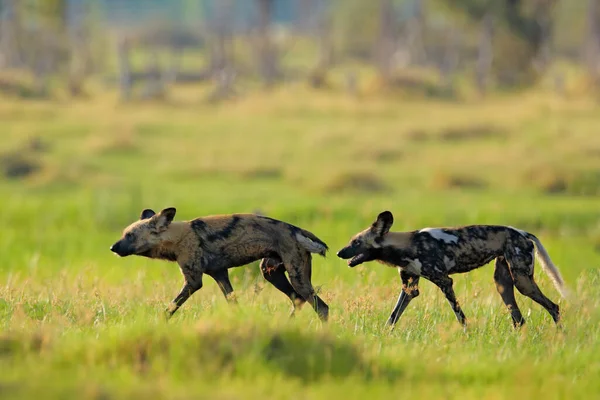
(121, 249)
(346, 253)
(355, 255)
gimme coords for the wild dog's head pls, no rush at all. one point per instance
(143, 235)
(365, 245)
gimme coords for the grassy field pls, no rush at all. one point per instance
(77, 322)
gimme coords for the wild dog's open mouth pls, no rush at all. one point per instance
(358, 259)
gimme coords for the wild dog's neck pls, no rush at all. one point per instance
(395, 249)
(169, 246)
(176, 232)
(397, 239)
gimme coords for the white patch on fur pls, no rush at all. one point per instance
(517, 250)
(449, 263)
(414, 267)
(439, 234)
(309, 245)
(550, 268)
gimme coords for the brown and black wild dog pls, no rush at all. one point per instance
(211, 245)
(436, 253)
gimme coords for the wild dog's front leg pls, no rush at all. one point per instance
(410, 290)
(445, 284)
(189, 288)
(192, 273)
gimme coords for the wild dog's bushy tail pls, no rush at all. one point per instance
(548, 266)
(310, 242)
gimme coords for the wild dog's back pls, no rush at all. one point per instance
(465, 248)
(243, 238)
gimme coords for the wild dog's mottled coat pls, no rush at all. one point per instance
(436, 253)
(213, 244)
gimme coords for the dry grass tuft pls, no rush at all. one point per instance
(459, 133)
(552, 181)
(444, 181)
(260, 173)
(362, 182)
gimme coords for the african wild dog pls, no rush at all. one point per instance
(435, 253)
(211, 245)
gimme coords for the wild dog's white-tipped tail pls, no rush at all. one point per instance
(548, 266)
(311, 245)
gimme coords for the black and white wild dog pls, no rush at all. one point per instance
(435, 253)
(211, 245)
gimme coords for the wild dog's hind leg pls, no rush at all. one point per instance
(273, 271)
(298, 267)
(444, 282)
(521, 268)
(529, 288)
(505, 286)
(410, 290)
(222, 279)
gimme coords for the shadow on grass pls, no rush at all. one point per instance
(213, 351)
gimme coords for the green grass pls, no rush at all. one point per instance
(78, 322)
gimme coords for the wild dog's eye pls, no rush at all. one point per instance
(129, 236)
(355, 242)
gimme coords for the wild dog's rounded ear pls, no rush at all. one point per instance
(384, 222)
(147, 213)
(169, 213)
(165, 217)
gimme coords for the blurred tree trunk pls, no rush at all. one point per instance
(154, 87)
(78, 48)
(520, 46)
(485, 54)
(304, 19)
(222, 53)
(125, 79)
(9, 32)
(221, 37)
(324, 36)
(315, 20)
(42, 65)
(416, 33)
(54, 21)
(385, 42)
(268, 66)
(54, 13)
(451, 59)
(592, 46)
(543, 14)
(521, 35)
(48, 46)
